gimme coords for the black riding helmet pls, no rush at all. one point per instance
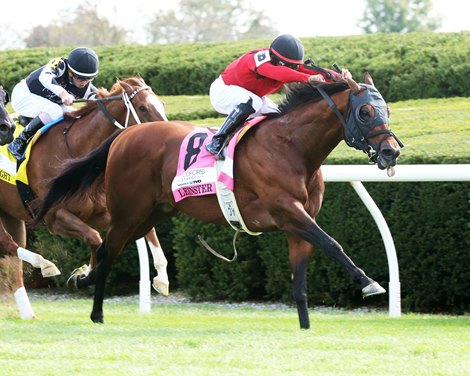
(287, 49)
(84, 63)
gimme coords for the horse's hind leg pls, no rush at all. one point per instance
(107, 254)
(160, 283)
(97, 276)
(64, 223)
(299, 254)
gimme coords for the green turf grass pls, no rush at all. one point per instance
(210, 339)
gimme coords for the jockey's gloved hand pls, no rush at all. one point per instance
(309, 61)
(67, 98)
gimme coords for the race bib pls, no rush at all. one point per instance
(262, 57)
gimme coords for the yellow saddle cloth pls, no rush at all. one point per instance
(10, 170)
(14, 172)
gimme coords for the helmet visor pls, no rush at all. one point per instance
(82, 76)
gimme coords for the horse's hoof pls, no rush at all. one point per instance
(77, 273)
(48, 269)
(83, 270)
(373, 289)
(98, 319)
(162, 287)
(72, 281)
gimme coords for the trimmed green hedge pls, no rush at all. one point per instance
(408, 66)
(429, 223)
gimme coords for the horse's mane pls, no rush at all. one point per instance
(117, 89)
(298, 93)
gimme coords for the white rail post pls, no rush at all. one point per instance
(144, 283)
(394, 294)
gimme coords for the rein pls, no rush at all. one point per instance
(128, 102)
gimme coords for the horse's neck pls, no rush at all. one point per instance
(90, 131)
(316, 132)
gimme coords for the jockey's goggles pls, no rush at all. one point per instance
(80, 77)
(289, 65)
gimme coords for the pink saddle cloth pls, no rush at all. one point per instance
(196, 174)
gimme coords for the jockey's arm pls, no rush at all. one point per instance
(47, 78)
(282, 73)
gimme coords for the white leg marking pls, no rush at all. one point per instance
(48, 269)
(24, 306)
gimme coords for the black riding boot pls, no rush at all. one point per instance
(236, 118)
(18, 146)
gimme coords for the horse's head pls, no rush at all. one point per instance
(148, 106)
(7, 126)
(367, 125)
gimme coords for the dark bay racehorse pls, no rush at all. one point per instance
(129, 102)
(7, 127)
(278, 181)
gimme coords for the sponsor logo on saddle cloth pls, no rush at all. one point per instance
(199, 173)
(10, 172)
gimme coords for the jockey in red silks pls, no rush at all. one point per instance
(241, 90)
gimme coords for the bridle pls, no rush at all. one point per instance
(357, 131)
(127, 98)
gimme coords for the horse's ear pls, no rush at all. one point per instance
(368, 79)
(141, 79)
(353, 85)
(123, 84)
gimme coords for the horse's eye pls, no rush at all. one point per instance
(143, 108)
(364, 114)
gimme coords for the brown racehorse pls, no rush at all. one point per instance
(278, 181)
(129, 102)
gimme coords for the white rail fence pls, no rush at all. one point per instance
(355, 175)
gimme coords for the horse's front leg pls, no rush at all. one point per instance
(11, 277)
(299, 254)
(12, 237)
(319, 238)
(11, 247)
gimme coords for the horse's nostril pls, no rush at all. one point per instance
(390, 153)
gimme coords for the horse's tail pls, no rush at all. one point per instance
(76, 178)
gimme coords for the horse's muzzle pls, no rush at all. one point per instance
(6, 133)
(387, 156)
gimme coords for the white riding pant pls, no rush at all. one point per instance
(31, 105)
(224, 98)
